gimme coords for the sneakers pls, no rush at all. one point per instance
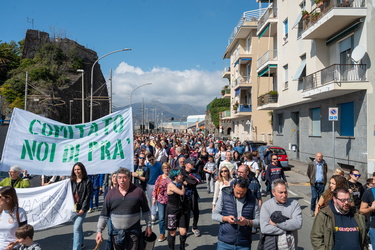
(90, 210)
(162, 238)
(312, 214)
(196, 232)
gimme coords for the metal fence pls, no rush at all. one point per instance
(335, 73)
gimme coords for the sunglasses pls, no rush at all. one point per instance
(151, 159)
(141, 158)
(224, 171)
(356, 175)
(274, 159)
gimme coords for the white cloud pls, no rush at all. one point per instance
(193, 86)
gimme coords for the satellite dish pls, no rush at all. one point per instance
(358, 53)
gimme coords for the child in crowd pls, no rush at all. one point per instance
(25, 236)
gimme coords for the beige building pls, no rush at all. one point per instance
(244, 120)
(320, 58)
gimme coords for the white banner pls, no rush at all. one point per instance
(47, 206)
(44, 146)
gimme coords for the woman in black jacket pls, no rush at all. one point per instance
(82, 190)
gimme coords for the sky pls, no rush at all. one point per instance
(178, 46)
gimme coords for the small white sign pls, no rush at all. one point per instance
(248, 122)
(333, 114)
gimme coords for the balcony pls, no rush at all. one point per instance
(226, 72)
(225, 93)
(226, 115)
(267, 25)
(245, 25)
(267, 63)
(243, 110)
(242, 81)
(332, 17)
(335, 80)
(267, 101)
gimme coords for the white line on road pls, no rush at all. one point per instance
(292, 193)
(307, 201)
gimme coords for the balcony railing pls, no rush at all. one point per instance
(335, 73)
(241, 80)
(245, 108)
(268, 56)
(326, 6)
(225, 113)
(270, 12)
(252, 15)
(266, 99)
(225, 70)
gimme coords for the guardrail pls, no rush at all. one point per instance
(335, 73)
(266, 99)
(270, 12)
(325, 6)
(268, 56)
(252, 15)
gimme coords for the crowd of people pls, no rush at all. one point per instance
(161, 188)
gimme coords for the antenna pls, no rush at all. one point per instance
(358, 53)
(30, 20)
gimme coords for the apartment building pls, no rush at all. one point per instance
(320, 58)
(243, 120)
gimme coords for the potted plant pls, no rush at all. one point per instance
(315, 17)
(223, 92)
(305, 14)
(235, 106)
(318, 3)
(273, 93)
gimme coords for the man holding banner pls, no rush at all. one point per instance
(125, 204)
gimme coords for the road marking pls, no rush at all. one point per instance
(308, 202)
(292, 193)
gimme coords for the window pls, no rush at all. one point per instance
(346, 48)
(248, 44)
(315, 122)
(346, 120)
(285, 30)
(286, 75)
(280, 123)
(248, 72)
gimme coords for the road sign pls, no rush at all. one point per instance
(248, 122)
(333, 114)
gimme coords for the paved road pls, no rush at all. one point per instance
(61, 237)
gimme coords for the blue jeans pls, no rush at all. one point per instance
(78, 231)
(95, 195)
(161, 213)
(371, 234)
(224, 246)
(316, 192)
(109, 244)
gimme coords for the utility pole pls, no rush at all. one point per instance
(26, 86)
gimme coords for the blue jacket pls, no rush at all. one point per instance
(232, 233)
(97, 180)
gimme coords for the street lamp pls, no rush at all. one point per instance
(92, 76)
(70, 111)
(131, 94)
(83, 95)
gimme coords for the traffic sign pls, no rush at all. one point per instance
(333, 114)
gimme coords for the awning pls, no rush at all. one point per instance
(300, 70)
(342, 33)
(263, 72)
(237, 92)
(239, 60)
(264, 31)
(299, 17)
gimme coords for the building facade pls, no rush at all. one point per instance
(322, 61)
(243, 120)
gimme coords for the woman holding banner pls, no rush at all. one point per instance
(82, 190)
(11, 217)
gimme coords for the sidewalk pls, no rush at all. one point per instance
(301, 168)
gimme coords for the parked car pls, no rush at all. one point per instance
(279, 151)
(256, 144)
